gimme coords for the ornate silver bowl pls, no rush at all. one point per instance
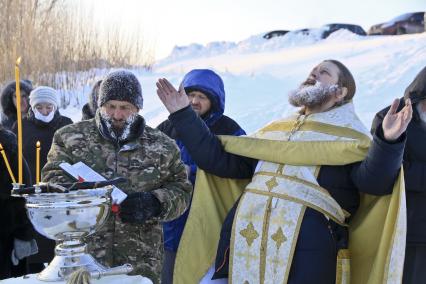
(68, 218)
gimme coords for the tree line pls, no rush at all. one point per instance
(57, 38)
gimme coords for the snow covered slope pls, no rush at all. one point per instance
(259, 73)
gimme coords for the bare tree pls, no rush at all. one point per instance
(56, 38)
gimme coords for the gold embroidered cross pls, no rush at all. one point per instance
(280, 219)
(277, 262)
(252, 214)
(247, 257)
(249, 233)
(278, 238)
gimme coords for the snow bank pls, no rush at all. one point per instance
(259, 73)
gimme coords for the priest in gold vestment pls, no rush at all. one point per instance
(311, 198)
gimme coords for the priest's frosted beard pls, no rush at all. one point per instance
(121, 134)
(311, 95)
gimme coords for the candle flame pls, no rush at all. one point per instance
(18, 61)
(38, 144)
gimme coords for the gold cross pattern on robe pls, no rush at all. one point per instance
(247, 257)
(282, 218)
(249, 233)
(278, 238)
(252, 214)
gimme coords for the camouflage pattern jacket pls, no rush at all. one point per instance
(150, 163)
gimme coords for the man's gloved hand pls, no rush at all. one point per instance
(139, 207)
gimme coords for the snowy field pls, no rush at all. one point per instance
(259, 73)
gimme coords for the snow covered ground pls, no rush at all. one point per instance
(259, 73)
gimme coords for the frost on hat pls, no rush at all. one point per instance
(121, 85)
(43, 94)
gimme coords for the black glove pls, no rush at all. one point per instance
(138, 207)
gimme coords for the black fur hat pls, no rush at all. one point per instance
(121, 85)
(7, 105)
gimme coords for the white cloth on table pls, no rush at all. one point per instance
(120, 279)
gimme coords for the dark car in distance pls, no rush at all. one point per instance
(408, 23)
(276, 33)
(375, 29)
(320, 33)
(330, 28)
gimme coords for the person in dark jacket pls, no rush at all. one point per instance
(415, 179)
(8, 102)
(89, 109)
(40, 124)
(206, 93)
(16, 229)
(324, 97)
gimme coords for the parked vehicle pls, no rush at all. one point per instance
(375, 29)
(408, 23)
(330, 28)
(276, 33)
(314, 34)
(317, 33)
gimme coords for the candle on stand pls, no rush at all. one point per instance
(38, 162)
(6, 162)
(18, 119)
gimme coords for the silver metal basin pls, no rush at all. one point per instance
(67, 218)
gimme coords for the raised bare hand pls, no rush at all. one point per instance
(395, 123)
(171, 98)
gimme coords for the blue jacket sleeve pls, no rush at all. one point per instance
(239, 132)
(192, 173)
(206, 149)
(377, 173)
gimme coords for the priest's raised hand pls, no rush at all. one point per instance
(395, 123)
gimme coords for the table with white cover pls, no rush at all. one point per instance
(121, 279)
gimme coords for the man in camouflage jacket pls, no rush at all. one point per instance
(118, 143)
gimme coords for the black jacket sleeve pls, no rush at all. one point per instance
(377, 173)
(414, 170)
(378, 119)
(415, 175)
(206, 149)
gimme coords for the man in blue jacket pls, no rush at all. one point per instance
(206, 94)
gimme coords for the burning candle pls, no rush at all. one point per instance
(6, 162)
(38, 162)
(18, 119)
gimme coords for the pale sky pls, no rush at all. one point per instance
(166, 23)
